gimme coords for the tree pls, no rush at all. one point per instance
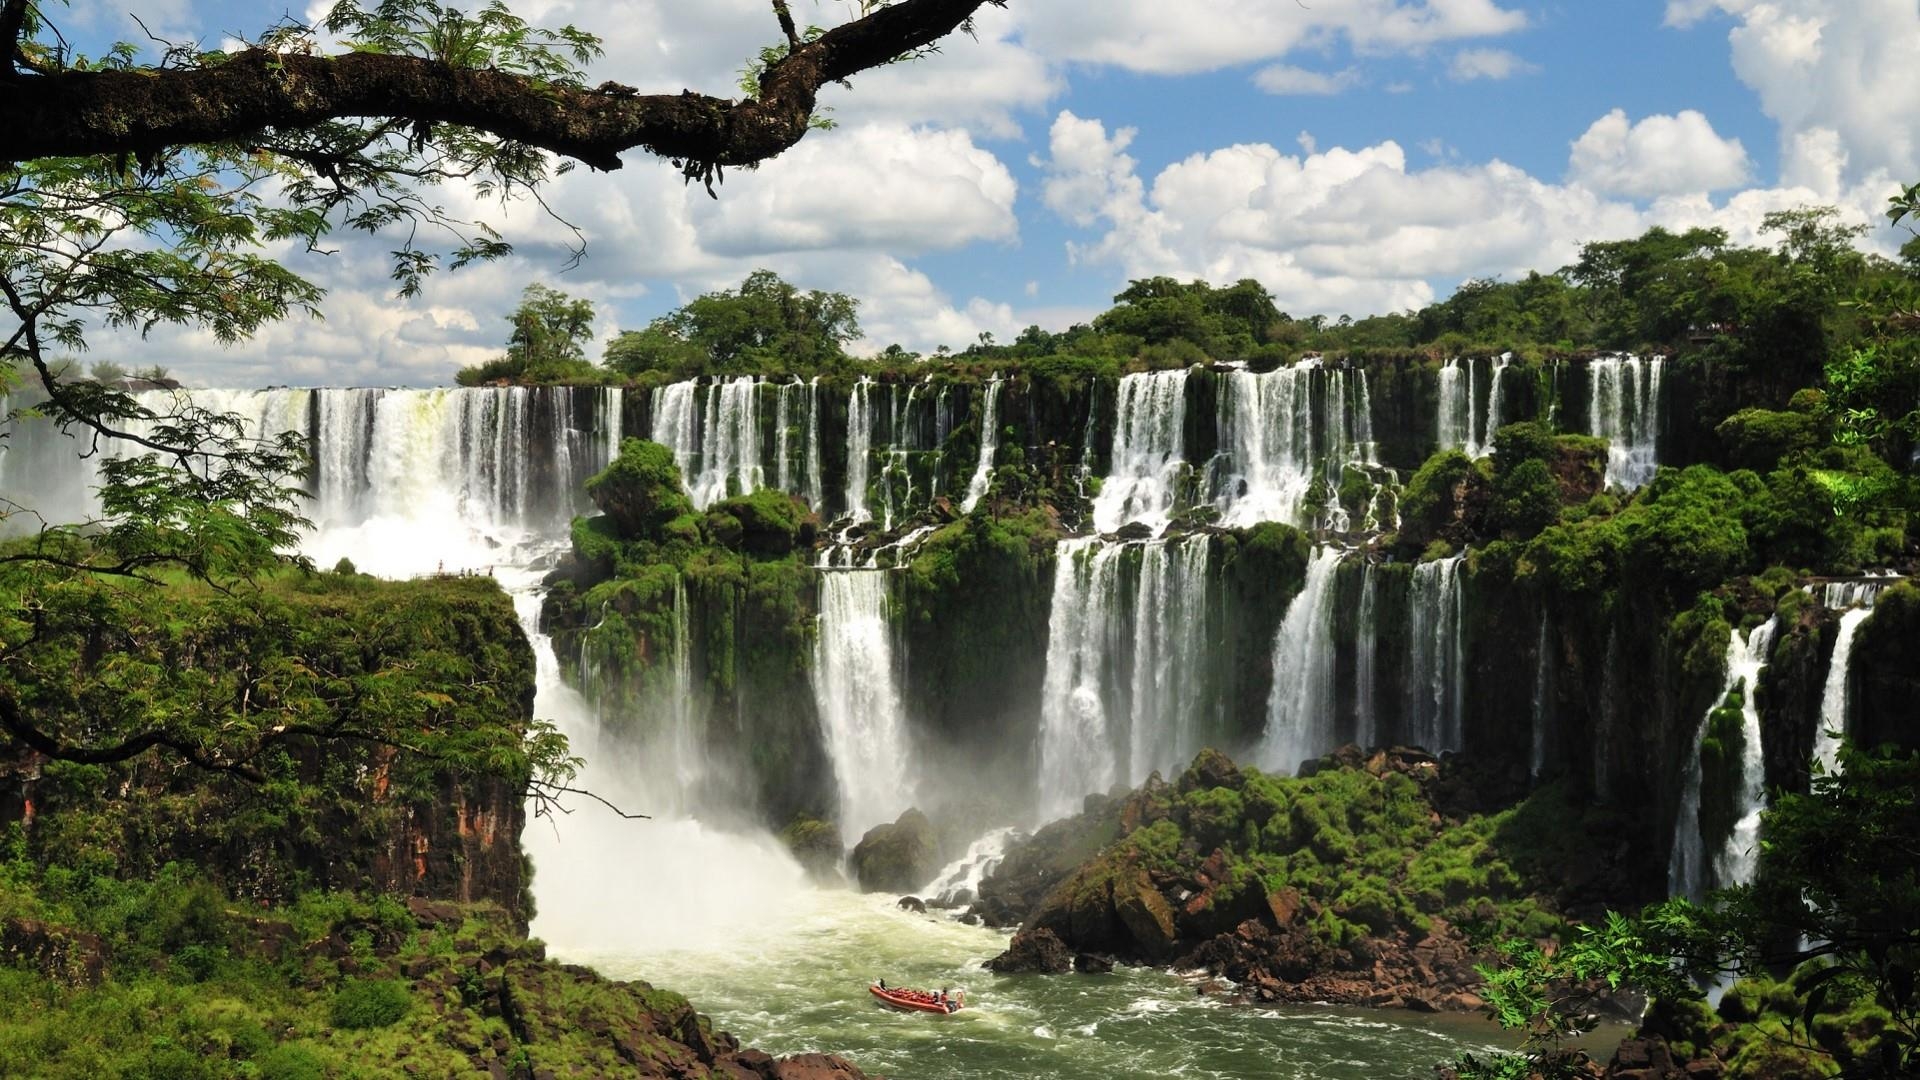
(135, 195)
(547, 344)
(764, 325)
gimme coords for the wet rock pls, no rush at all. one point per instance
(913, 904)
(1146, 915)
(1134, 530)
(816, 845)
(1090, 964)
(899, 857)
(1210, 769)
(1033, 951)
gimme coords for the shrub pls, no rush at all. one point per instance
(370, 1003)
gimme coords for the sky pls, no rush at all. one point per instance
(1355, 156)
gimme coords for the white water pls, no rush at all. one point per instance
(859, 448)
(856, 686)
(1267, 440)
(1149, 424)
(1689, 873)
(1459, 421)
(1624, 409)
(1833, 697)
(1366, 649)
(1167, 703)
(1300, 707)
(1496, 406)
(959, 883)
(989, 443)
(1436, 661)
(1076, 752)
(718, 449)
(1125, 689)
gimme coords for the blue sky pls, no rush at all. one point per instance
(1354, 155)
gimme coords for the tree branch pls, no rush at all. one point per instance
(13, 20)
(785, 14)
(144, 112)
(40, 742)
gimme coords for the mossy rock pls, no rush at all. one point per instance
(898, 858)
(816, 844)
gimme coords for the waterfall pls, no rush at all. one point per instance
(1076, 753)
(1366, 647)
(1688, 869)
(1542, 699)
(1496, 403)
(856, 686)
(718, 449)
(816, 487)
(1267, 433)
(1300, 707)
(989, 443)
(1624, 409)
(959, 883)
(1149, 424)
(1833, 697)
(1435, 660)
(1127, 651)
(1366, 450)
(783, 436)
(1458, 420)
(1166, 705)
(662, 746)
(731, 442)
(859, 448)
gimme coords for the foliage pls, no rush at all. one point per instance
(765, 326)
(370, 1003)
(548, 342)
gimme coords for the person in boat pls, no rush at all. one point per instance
(883, 984)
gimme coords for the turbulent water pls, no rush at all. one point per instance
(857, 688)
(1300, 708)
(1436, 660)
(989, 442)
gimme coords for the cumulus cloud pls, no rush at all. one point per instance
(1355, 230)
(1659, 155)
(1822, 66)
(1493, 64)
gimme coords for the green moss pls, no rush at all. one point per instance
(370, 1003)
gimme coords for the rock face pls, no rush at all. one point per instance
(1034, 951)
(816, 844)
(897, 858)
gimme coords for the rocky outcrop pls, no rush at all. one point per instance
(899, 857)
(816, 846)
(1243, 874)
(1034, 951)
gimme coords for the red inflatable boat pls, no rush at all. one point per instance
(918, 1000)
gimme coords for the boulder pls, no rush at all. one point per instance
(897, 858)
(1145, 914)
(1091, 964)
(1037, 951)
(816, 845)
(1210, 769)
(70, 957)
(913, 904)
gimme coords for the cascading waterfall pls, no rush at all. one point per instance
(1149, 424)
(859, 448)
(676, 424)
(1624, 406)
(1126, 642)
(718, 449)
(816, 486)
(1436, 661)
(1688, 867)
(1833, 696)
(989, 443)
(1076, 751)
(856, 686)
(959, 883)
(663, 757)
(783, 471)
(1459, 420)
(1366, 648)
(1496, 406)
(1300, 706)
(1267, 434)
(1165, 706)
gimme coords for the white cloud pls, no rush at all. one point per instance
(1820, 66)
(1659, 155)
(1287, 79)
(1203, 35)
(1494, 64)
(1356, 230)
